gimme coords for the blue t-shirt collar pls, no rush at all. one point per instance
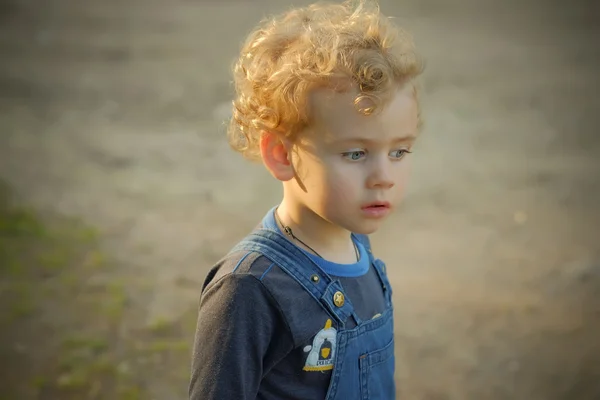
(343, 270)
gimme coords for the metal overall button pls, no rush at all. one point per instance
(314, 278)
(338, 299)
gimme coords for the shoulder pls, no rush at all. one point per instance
(251, 268)
(238, 266)
(233, 294)
(249, 277)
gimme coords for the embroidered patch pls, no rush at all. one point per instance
(322, 352)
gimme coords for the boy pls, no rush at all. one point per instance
(300, 309)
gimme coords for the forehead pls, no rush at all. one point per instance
(335, 116)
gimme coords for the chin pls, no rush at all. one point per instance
(366, 231)
(366, 228)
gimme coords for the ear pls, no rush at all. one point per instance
(275, 156)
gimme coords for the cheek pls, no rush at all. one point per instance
(402, 177)
(329, 182)
(403, 171)
(342, 183)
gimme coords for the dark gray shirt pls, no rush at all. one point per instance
(257, 328)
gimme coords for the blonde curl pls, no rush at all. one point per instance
(321, 45)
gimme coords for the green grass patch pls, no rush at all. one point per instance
(67, 301)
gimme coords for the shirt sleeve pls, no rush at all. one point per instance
(240, 334)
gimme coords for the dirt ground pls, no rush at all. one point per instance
(122, 192)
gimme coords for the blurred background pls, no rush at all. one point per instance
(119, 191)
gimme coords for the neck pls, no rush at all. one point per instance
(328, 240)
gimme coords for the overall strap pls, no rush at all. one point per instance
(300, 267)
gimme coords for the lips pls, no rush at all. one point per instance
(376, 205)
(378, 209)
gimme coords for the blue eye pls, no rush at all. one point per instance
(354, 155)
(399, 153)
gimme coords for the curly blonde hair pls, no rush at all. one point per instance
(319, 46)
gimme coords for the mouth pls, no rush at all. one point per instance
(376, 210)
(379, 205)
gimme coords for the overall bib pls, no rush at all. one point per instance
(364, 360)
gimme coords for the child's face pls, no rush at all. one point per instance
(348, 161)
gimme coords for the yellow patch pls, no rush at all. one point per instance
(321, 354)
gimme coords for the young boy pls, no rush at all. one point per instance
(300, 309)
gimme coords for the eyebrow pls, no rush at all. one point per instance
(407, 138)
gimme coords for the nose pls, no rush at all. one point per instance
(380, 176)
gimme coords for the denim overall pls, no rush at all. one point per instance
(364, 361)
